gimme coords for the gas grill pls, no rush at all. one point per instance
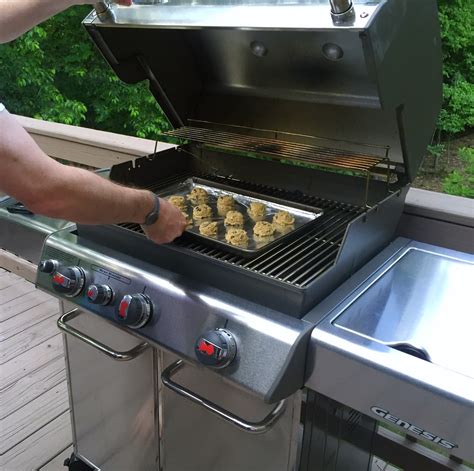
(186, 356)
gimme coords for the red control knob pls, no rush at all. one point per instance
(68, 281)
(99, 294)
(135, 310)
(216, 348)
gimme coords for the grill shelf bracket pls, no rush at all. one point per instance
(275, 146)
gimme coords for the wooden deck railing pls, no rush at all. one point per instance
(87, 147)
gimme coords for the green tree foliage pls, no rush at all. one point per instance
(461, 183)
(457, 34)
(55, 73)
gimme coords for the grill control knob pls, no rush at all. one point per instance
(135, 310)
(48, 266)
(216, 348)
(100, 294)
(69, 281)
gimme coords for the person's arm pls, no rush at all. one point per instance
(19, 16)
(47, 187)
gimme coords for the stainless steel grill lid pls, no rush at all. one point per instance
(295, 67)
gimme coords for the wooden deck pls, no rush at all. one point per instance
(35, 429)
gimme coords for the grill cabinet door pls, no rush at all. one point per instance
(112, 402)
(194, 439)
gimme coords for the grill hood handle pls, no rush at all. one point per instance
(342, 10)
(104, 12)
(340, 6)
(250, 427)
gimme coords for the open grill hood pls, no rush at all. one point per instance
(373, 76)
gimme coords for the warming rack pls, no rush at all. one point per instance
(367, 164)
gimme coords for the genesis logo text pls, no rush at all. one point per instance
(385, 414)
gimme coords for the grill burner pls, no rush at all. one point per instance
(298, 262)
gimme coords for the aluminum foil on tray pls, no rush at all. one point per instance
(241, 222)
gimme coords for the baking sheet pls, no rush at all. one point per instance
(303, 215)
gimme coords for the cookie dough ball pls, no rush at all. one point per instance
(257, 211)
(178, 201)
(283, 218)
(263, 229)
(202, 211)
(208, 228)
(198, 196)
(225, 203)
(234, 219)
(237, 237)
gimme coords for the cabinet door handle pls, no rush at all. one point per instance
(251, 427)
(110, 352)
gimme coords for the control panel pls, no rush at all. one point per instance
(133, 310)
(202, 325)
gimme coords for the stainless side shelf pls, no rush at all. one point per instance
(397, 344)
(23, 234)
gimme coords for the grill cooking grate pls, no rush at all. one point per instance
(298, 262)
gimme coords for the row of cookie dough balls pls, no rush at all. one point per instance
(225, 203)
(263, 232)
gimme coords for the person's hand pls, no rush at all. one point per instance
(170, 224)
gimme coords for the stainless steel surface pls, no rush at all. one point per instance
(304, 215)
(270, 345)
(271, 14)
(24, 234)
(112, 402)
(261, 426)
(422, 299)
(194, 439)
(415, 293)
(108, 351)
(286, 66)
